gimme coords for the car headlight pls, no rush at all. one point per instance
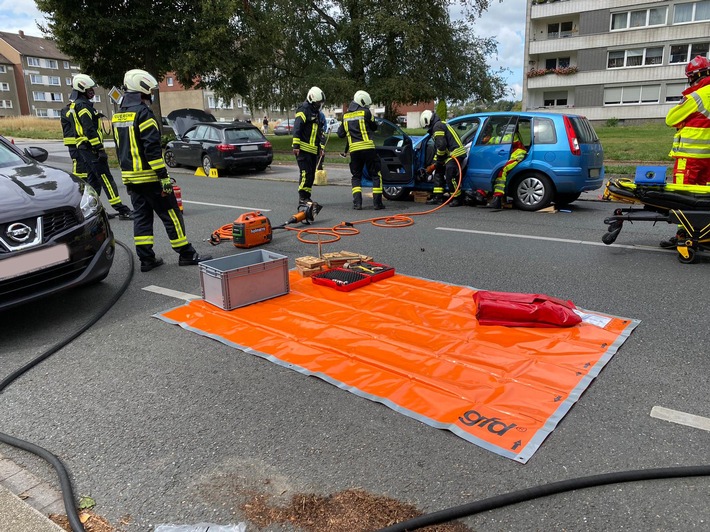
(90, 203)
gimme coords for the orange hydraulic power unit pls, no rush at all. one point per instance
(251, 229)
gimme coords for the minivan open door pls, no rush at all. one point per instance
(394, 148)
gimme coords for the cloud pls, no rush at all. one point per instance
(20, 15)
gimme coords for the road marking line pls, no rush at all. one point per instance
(674, 416)
(226, 206)
(564, 240)
(171, 293)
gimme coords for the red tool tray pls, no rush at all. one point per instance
(374, 270)
(341, 279)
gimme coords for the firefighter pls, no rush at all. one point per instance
(358, 124)
(143, 171)
(66, 118)
(449, 150)
(89, 143)
(517, 154)
(691, 143)
(308, 141)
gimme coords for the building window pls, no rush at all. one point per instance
(6, 104)
(66, 65)
(169, 82)
(635, 57)
(52, 63)
(96, 98)
(556, 62)
(553, 99)
(633, 94)
(682, 53)
(4, 86)
(3, 70)
(41, 112)
(239, 103)
(655, 16)
(54, 80)
(33, 62)
(36, 79)
(39, 96)
(674, 91)
(57, 97)
(559, 29)
(691, 12)
(67, 81)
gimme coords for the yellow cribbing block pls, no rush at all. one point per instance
(213, 172)
(200, 172)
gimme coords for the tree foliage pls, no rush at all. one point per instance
(272, 51)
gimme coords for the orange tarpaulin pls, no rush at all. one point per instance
(414, 345)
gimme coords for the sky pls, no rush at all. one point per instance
(504, 20)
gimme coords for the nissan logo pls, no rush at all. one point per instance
(19, 232)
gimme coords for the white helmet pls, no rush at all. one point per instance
(362, 98)
(315, 95)
(425, 119)
(81, 82)
(138, 80)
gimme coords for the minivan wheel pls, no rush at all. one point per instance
(394, 192)
(532, 192)
(206, 164)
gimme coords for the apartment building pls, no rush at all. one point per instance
(611, 59)
(37, 77)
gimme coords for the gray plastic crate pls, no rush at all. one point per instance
(240, 280)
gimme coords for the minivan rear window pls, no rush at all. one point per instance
(584, 130)
(544, 131)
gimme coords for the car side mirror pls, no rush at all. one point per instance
(38, 154)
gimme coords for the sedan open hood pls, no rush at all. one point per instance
(184, 119)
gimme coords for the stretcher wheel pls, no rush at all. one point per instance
(687, 260)
(610, 238)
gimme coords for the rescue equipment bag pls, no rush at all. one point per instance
(512, 309)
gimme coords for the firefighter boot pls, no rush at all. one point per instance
(495, 203)
(149, 264)
(190, 259)
(377, 202)
(456, 201)
(357, 201)
(436, 199)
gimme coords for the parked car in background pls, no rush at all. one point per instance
(565, 157)
(285, 127)
(331, 125)
(54, 232)
(221, 145)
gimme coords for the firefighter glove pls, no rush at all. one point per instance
(167, 185)
(430, 169)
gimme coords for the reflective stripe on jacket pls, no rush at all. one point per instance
(692, 119)
(358, 124)
(447, 142)
(137, 137)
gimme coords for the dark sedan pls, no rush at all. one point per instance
(54, 232)
(224, 146)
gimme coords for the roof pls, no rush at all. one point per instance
(33, 46)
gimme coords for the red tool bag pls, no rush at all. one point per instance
(523, 310)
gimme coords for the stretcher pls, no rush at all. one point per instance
(686, 206)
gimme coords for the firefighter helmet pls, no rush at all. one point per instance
(425, 119)
(82, 82)
(138, 80)
(362, 98)
(698, 68)
(315, 96)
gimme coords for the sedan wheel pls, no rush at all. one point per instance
(394, 193)
(532, 192)
(206, 164)
(170, 159)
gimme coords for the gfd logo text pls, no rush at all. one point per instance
(493, 424)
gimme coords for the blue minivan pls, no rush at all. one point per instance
(565, 157)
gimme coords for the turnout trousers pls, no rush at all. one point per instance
(148, 198)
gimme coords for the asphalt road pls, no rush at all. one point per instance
(163, 425)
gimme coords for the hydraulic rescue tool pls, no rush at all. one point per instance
(253, 229)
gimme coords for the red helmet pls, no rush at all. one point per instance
(699, 67)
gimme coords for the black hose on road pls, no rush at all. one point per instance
(64, 480)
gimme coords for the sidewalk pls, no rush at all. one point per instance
(29, 513)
